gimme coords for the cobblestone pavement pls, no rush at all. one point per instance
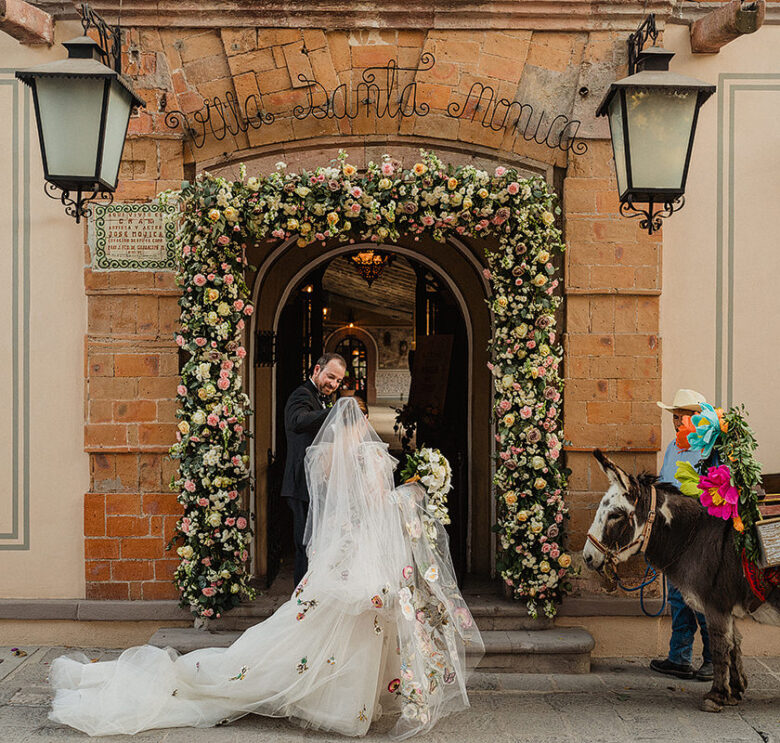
(619, 701)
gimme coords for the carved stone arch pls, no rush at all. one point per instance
(372, 353)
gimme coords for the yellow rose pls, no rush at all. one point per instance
(382, 232)
(184, 427)
(548, 218)
(384, 184)
(502, 301)
(212, 295)
(305, 228)
(301, 242)
(522, 516)
(253, 184)
(564, 560)
(536, 527)
(185, 551)
(223, 308)
(509, 420)
(510, 499)
(540, 483)
(544, 566)
(231, 214)
(202, 394)
(332, 218)
(483, 193)
(452, 183)
(214, 215)
(420, 169)
(467, 203)
(543, 256)
(292, 224)
(539, 280)
(349, 170)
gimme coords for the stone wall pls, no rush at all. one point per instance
(612, 270)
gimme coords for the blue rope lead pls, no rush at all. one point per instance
(653, 573)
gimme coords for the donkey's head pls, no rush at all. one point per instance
(616, 525)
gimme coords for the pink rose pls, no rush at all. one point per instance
(356, 192)
(513, 188)
(200, 342)
(227, 364)
(236, 461)
(179, 340)
(189, 486)
(241, 522)
(181, 390)
(526, 412)
(278, 234)
(222, 425)
(387, 169)
(223, 383)
(203, 502)
(228, 278)
(212, 419)
(500, 171)
(209, 591)
(241, 352)
(248, 310)
(206, 561)
(186, 250)
(199, 279)
(238, 305)
(230, 521)
(223, 240)
(427, 220)
(233, 494)
(240, 325)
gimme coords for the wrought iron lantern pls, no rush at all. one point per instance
(82, 108)
(652, 120)
(371, 263)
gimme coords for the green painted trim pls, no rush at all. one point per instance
(20, 409)
(723, 79)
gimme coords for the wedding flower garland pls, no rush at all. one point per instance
(338, 202)
(434, 472)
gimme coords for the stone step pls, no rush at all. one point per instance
(489, 614)
(555, 650)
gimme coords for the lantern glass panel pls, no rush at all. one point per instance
(117, 116)
(660, 126)
(70, 124)
(618, 141)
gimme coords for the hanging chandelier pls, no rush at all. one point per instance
(370, 263)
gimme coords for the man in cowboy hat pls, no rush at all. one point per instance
(684, 619)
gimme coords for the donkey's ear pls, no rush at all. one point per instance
(615, 475)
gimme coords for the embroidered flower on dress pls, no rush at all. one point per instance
(331, 661)
(362, 714)
(241, 675)
(376, 602)
(302, 666)
(432, 574)
(377, 626)
(407, 572)
(310, 604)
(392, 687)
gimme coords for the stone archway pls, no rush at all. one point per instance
(372, 353)
(460, 265)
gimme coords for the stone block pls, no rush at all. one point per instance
(238, 40)
(26, 23)
(298, 64)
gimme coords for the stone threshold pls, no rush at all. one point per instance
(88, 610)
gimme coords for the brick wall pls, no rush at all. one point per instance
(612, 269)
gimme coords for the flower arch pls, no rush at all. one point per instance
(220, 217)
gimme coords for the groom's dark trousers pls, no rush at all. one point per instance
(304, 414)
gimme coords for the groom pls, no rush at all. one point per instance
(304, 414)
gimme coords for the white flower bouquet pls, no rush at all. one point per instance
(431, 468)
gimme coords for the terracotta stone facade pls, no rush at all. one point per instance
(612, 269)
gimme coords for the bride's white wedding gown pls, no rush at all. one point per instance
(376, 625)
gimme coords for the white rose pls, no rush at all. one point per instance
(199, 417)
(185, 552)
(214, 519)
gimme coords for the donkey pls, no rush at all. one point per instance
(696, 551)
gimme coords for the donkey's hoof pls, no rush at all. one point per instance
(732, 700)
(707, 705)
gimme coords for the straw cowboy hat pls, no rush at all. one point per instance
(684, 400)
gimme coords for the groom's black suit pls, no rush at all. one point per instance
(304, 414)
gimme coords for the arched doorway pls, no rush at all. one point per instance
(346, 339)
(458, 308)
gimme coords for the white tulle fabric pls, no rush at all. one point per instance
(377, 624)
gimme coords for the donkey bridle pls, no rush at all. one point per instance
(643, 539)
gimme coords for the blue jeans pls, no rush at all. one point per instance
(684, 621)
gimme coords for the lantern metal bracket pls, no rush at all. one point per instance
(636, 41)
(110, 36)
(651, 216)
(81, 206)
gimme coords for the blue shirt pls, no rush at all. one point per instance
(673, 455)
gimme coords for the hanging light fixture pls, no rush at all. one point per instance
(371, 263)
(82, 108)
(652, 120)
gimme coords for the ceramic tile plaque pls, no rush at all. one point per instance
(132, 237)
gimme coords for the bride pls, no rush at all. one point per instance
(376, 624)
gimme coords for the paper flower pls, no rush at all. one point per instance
(708, 427)
(688, 478)
(718, 495)
(683, 431)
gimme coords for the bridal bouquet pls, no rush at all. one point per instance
(432, 469)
